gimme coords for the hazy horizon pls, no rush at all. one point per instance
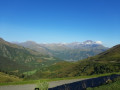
(80, 42)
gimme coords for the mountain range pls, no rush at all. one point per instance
(67, 51)
(21, 59)
(28, 56)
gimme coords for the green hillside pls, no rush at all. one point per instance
(106, 62)
(50, 71)
(17, 58)
(8, 65)
(14, 58)
(111, 55)
(8, 78)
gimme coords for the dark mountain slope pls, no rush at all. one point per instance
(17, 53)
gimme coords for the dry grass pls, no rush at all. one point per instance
(8, 78)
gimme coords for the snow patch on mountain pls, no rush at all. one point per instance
(98, 42)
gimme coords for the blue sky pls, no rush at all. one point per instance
(60, 20)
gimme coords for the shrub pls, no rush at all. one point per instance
(42, 85)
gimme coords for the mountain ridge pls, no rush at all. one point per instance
(12, 55)
(67, 51)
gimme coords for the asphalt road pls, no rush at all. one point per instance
(32, 86)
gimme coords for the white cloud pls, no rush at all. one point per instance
(99, 42)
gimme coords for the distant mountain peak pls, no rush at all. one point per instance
(98, 42)
(92, 42)
(79, 43)
(67, 51)
(89, 41)
(28, 43)
(63, 43)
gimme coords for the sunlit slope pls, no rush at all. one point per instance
(106, 62)
(8, 78)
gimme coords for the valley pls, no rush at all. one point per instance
(24, 65)
(56, 44)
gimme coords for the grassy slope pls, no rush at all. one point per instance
(14, 57)
(8, 65)
(8, 78)
(106, 62)
(51, 71)
(111, 55)
(53, 79)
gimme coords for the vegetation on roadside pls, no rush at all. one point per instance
(42, 85)
(53, 79)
